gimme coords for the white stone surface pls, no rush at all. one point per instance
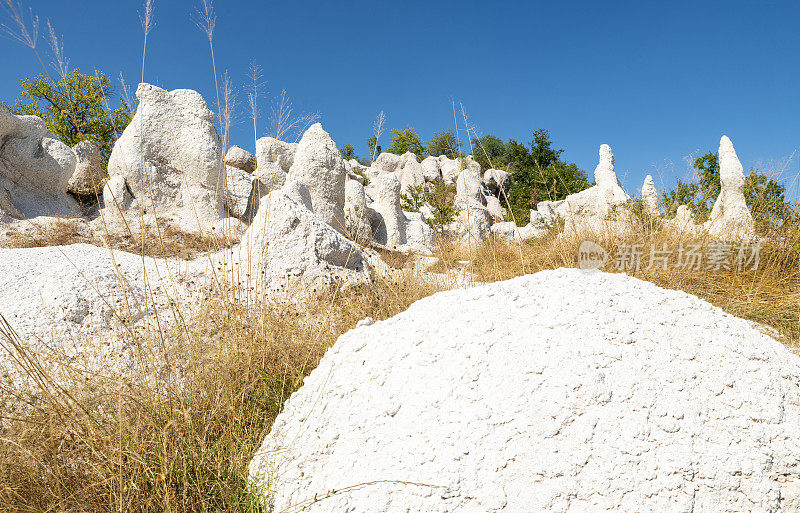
(391, 231)
(430, 166)
(560, 391)
(240, 159)
(175, 168)
(319, 165)
(730, 217)
(239, 195)
(35, 168)
(288, 246)
(57, 294)
(90, 171)
(387, 163)
(355, 212)
(410, 172)
(683, 222)
(650, 195)
(273, 151)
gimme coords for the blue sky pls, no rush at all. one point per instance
(655, 80)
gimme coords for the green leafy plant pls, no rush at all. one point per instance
(406, 140)
(75, 108)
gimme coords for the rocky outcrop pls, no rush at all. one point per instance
(683, 222)
(90, 171)
(410, 172)
(497, 181)
(273, 151)
(35, 169)
(479, 399)
(170, 158)
(591, 209)
(356, 213)
(240, 202)
(650, 196)
(430, 168)
(318, 164)
(288, 246)
(730, 217)
(391, 230)
(240, 159)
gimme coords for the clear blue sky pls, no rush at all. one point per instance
(656, 80)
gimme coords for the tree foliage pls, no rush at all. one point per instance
(538, 172)
(406, 140)
(76, 108)
(443, 143)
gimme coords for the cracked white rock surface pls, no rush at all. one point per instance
(559, 391)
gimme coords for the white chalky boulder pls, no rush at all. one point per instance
(274, 151)
(239, 193)
(90, 171)
(387, 163)
(355, 211)
(497, 181)
(176, 167)
(683, 222)
(318, 164)
(420, 237)
(561, 391)
(35, 169)
(430, 167)
(730, 217)
(410, 172)
(288, 246)
(598, 200)
(391, 230)
(240, 159)
(450, 168)
(650, 195)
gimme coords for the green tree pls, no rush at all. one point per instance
(539, 174)
(443, 143)
(406, 140)
(490, 152)
(74, 108)
(348, 152)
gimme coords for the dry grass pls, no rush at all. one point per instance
(168, 241)
(182, 443)
(769, 295)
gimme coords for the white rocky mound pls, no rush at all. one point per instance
(559, 391)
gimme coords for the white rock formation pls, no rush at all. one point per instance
(35, 168)
(410, 172)
(273, 151)
(590, 209)
(480, 399)
(450, 168)
(175, 167)
(240, 202)
(650, 195)
(683, 222)
(240, 159)
(391, 231)
(287, 246)
(420, 237)
(730, 217)
(356, 213)
(318, 164)
(497, 181)
(474, 220)
(387, 163)
(430, 166)
(90, 171)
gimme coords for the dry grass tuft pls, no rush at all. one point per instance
(769, 295)
(183, 442)
(166, 241)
